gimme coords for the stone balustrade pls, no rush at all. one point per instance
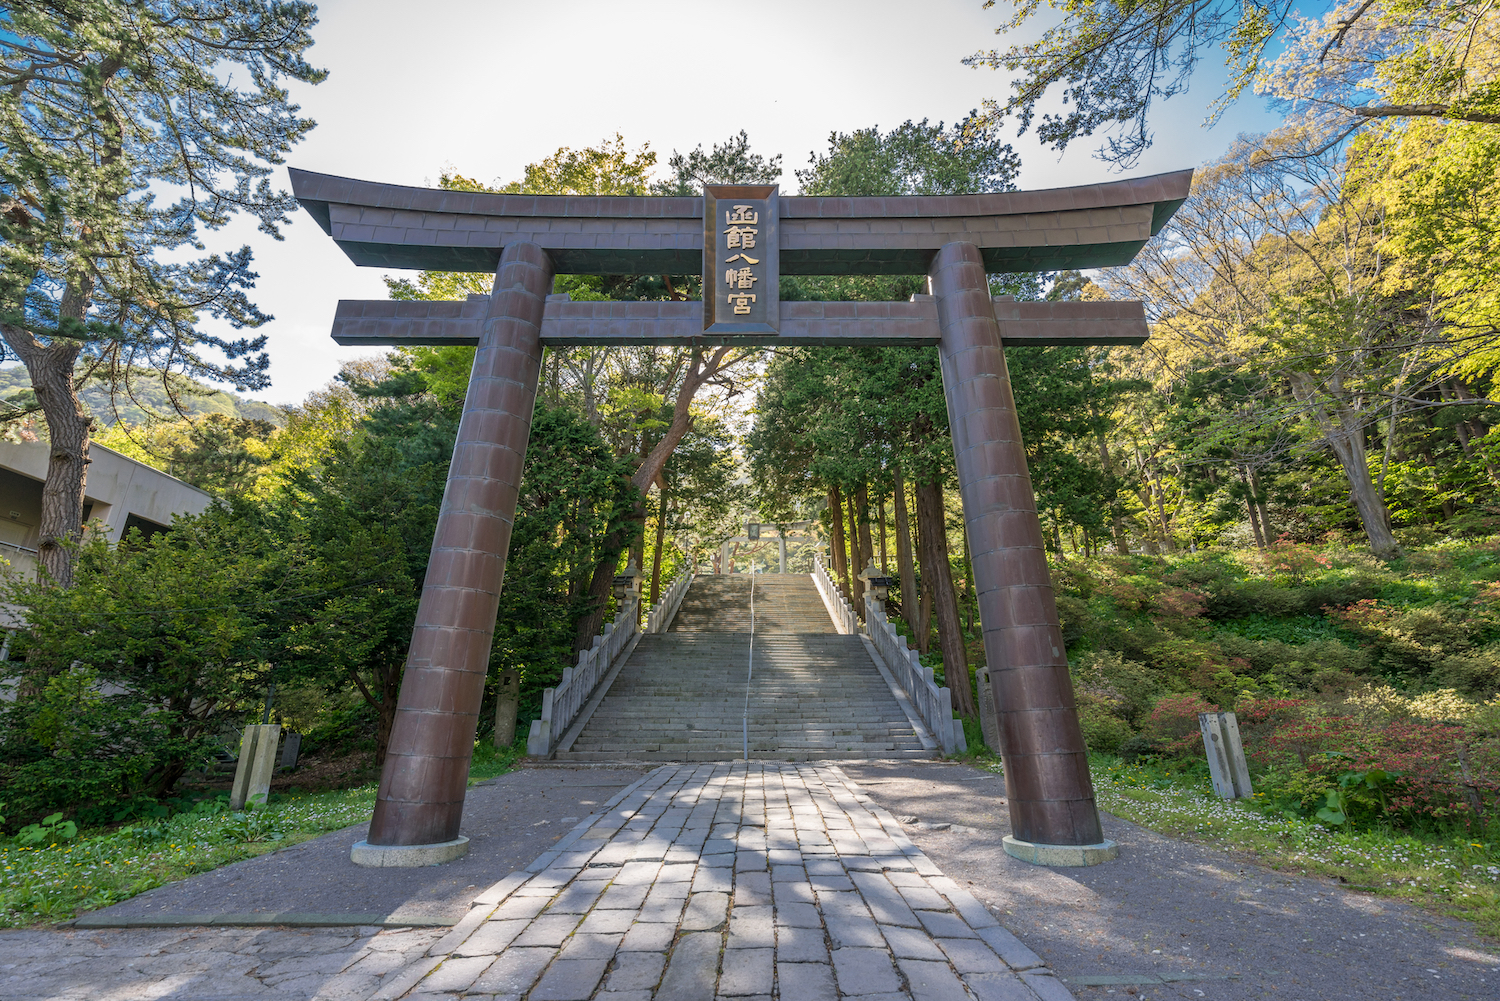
(933, 704)
(561, 705)
(838, 606)
(660, 617)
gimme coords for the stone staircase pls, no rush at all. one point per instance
(681, 694)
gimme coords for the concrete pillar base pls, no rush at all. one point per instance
(407, 856)
(1073, 855)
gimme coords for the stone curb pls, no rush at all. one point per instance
(1060, 855)
(407, 856)
(290, 919)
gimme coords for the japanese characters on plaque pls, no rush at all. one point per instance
(741, 265)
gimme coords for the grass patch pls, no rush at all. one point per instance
(48, 883)
(1452, 874)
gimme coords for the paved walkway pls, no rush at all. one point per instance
(222, 964)
(509, 820)
(723, 881)
(733, 881)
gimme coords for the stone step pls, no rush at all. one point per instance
(784, 603)
(814, 694)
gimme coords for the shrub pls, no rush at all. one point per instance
(72, 748)
(1103, 729)
(1138, 747)
(1174, 722)
(1292, 789)
(1131, 686)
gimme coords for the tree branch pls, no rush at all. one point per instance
(1423, 111)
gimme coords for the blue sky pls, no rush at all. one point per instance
(487, 87)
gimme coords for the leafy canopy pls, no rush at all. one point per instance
(1361, 61)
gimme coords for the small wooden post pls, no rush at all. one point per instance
(1226, 756)
(252, 775)
(507, 698)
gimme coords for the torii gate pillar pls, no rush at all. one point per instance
(1051, 796)
(421, 795)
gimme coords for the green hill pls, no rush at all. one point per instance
(149, 395)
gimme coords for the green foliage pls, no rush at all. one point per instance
(130, 675)
(729, 162)
(1103, 728)
(53, 881)
(141, 396)
(572, 490)
(1356, 796)
(1449, 871)
(1112, 61)
(223, 455)
(50, 830)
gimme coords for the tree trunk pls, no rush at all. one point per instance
(923, 629)
(1260, 505)
(1260, 538)
(904, 567)
(836, 538)
(971, 590)
(700, 370)
(880, 507)
(857, 595)
(388, 680)
(1469, 430)
(866, 545)
(1154, 494)
(938, 573)
(1345, 435)
(51, 370)
(603, 579)
(661, 534)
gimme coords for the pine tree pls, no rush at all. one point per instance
(128, 127)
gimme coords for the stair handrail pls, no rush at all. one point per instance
(933, 703)
(562, 704)
(833, 599)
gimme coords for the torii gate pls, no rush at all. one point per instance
(747, 236)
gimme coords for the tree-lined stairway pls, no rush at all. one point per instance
(814, 694)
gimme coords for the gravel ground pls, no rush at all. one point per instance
(1168, 909)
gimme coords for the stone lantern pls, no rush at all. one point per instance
(877, 584)
(628, 584)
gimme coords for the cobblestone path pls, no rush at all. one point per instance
(738, 880)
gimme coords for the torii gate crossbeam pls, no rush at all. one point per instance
(956, 240)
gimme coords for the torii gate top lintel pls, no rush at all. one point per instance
(395, 226)
(386, 225)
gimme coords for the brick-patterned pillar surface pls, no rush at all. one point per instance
(421, 797)
(1047, 782)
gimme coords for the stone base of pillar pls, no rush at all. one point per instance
(407, 856)
(1072, 855)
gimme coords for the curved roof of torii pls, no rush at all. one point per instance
(1088, 226)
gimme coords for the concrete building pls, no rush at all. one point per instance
(121, 493)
